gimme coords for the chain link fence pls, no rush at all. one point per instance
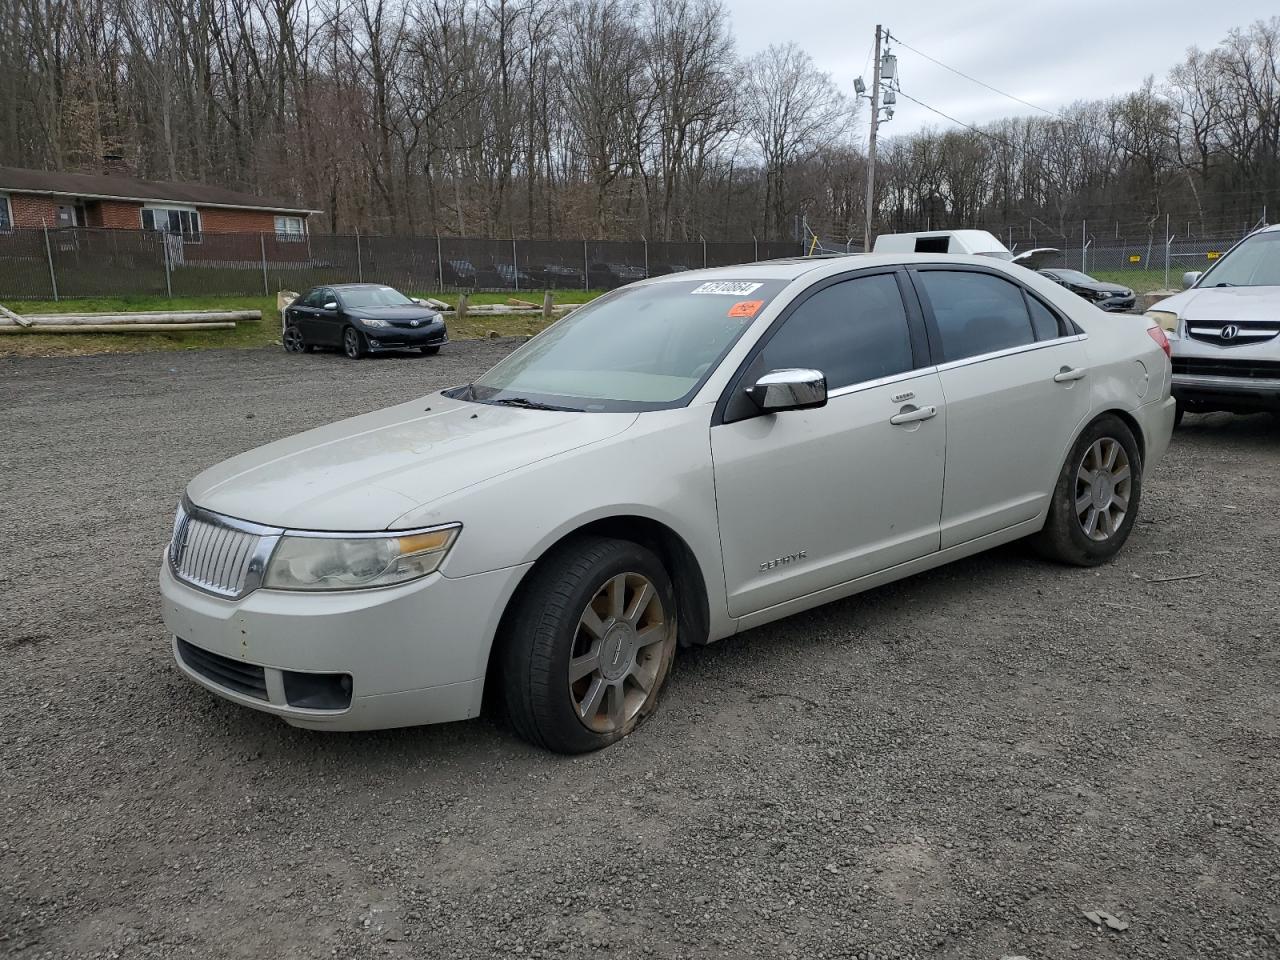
(91, 262)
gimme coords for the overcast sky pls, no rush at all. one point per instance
(1048, 52)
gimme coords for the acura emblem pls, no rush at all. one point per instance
(1229, 332)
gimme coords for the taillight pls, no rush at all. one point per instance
(1156, 334)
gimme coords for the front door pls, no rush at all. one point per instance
(808, 499)
(1016, 379)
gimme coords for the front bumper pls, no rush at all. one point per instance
(1238, 394)
(405, 338)
(414, 654)
(1117, 304)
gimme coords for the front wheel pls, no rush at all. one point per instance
(1096, 499)
(588, 644)
(429, 351)
(353, 343)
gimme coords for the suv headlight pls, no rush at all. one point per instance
(374, 322)
(1167, 320)
(302, 562)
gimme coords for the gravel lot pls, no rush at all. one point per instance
(950, 767)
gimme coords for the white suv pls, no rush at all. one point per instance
(1225, 330)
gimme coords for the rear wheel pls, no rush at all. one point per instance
(1096, 499)
(293, 340)
(588, 645)
(353, 343)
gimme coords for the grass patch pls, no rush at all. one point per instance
(1140, 281)
(246, 335)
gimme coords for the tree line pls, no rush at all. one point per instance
(600, 119)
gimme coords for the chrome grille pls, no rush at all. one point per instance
(219, 554)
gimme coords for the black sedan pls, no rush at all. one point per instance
(362, 318)
(1105, 296)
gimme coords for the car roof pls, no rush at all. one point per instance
(358, 286)
(791, 268)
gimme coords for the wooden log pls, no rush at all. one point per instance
(548, 303)
(517, 302)
(7, 314)
(102, 319)
(462, 306)
(438, 304)
(111, 328)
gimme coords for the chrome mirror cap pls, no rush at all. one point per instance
(791, 389)
(1189, 279)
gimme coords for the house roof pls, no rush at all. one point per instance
(103, 187)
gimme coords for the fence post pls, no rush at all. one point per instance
(515, 264)
(262, 244)
(1084, 267)
(586, 268)
(168, 266)
(704, 251)
(645, 241)
(440, 262)
(756, 242)
(1168, 242)
(48, 252)
(359, 259)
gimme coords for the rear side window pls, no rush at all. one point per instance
(853, 331)
(1044, 321)
(977, 313)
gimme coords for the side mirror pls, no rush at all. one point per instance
(1189, 279)
(419, 301)
(331, 305)
(793, 389)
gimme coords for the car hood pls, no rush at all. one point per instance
(364, 473)
(1224, 303)
(413, 312)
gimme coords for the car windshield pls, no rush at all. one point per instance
(640, 348)
(375, 297)
(1073, 275)
(1254, 263)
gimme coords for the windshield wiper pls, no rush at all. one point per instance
(527, 404)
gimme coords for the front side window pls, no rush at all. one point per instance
(1254, 263)
(6, 213)
(639, 348)
(853, 331)
(976, 313)
(290, 228)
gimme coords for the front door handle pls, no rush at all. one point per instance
(911, 414)
(1067, 374)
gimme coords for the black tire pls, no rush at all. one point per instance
(543, 626)
(1065, 537)
(1179, 411)
(353, 344)
(429, 351)
(293, 340)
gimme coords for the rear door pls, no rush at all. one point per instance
(1016, 381)
(809, 499)
(302, 313)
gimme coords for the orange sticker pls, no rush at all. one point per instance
(746, 308)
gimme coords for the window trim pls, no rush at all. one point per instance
(935, 334)
(289, 236)
(7, 226)
(921, 356)
(167, 208)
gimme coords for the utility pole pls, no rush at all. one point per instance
(871, 145)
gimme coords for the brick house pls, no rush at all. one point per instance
(37, 198)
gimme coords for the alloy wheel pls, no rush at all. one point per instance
(351, 343)
(293, 340)
(1104, 481)
(618, 649)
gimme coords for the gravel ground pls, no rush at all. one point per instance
(955, 766)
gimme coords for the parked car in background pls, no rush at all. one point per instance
(362, 318)
(1111, 297)
(1225, 330)
(557, 276)
(608, 276)
(504, 276)
(458, 273)
(675, 462)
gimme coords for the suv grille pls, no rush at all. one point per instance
(246, 678)
(1251, 369)
(216, 554)
(1242, 333)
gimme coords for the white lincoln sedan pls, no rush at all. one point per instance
(680, 460)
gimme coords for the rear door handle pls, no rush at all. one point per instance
(1067, 374)
(913, 415)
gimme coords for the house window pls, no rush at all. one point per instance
(290, 228)
(6, 214)
(183, 221)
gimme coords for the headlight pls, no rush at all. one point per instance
(352, 563)
(374, 322)
(1168, 320)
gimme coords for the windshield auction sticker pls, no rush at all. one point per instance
(732, 288)
(746, 308)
